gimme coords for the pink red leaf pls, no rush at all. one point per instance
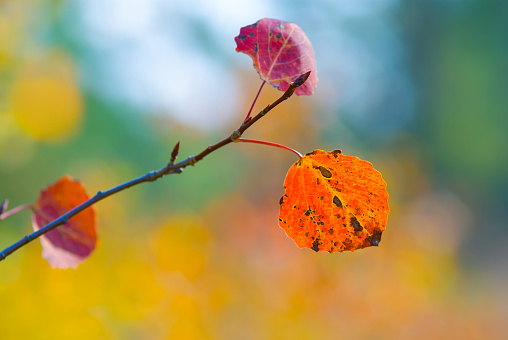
(69, 244)
(334, 202)
(280, 51)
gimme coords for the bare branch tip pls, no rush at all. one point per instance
(301, 79)
(3, 206)
(174, 153)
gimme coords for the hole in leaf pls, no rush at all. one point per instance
(324, 172)
(337, 201)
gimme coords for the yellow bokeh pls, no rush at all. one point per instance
(46, 106)
(15, 150)
(182, 246)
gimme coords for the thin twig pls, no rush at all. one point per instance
(3, 207)
(153, 175)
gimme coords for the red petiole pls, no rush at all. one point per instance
(255, 99)
(16, 210)
(245, 140)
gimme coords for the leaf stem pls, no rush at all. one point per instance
(245, 140)
(151, 176)
(16, 210)
(255, 99)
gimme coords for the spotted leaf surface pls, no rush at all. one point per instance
(280, 51)
(69, 244)
(333, 202)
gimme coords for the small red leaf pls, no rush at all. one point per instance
(70, 244)
(280, 51)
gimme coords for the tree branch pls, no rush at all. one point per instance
(169, 169)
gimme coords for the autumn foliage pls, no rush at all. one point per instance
(280, 52)
(71, 243)
(332, 202)
(103, 92)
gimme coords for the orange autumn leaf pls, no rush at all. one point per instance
(67, 245)
(334, 202)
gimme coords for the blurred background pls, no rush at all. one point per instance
(103, 89)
